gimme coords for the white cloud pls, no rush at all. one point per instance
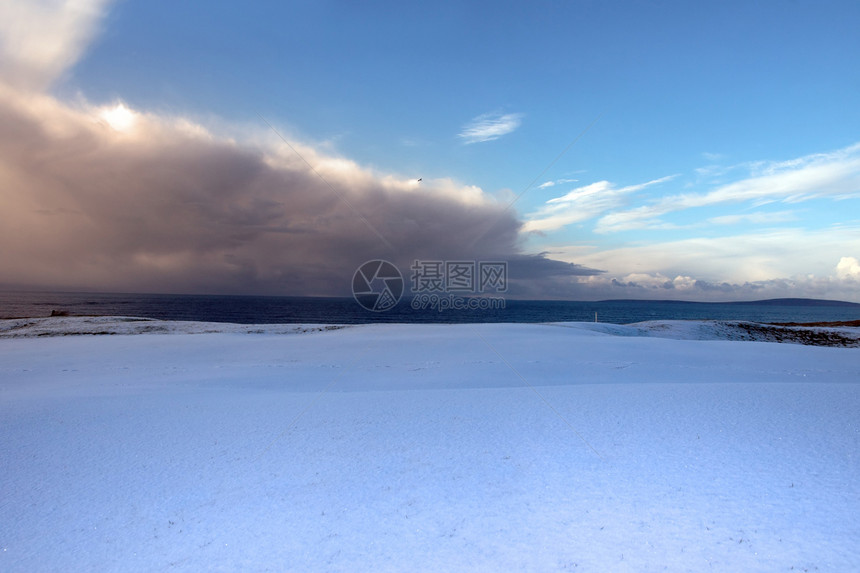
(490, 126)
(656, 285)
(582, 203)
(655, 281)
(814, 259)
(835, 175)
(848, 268)
(41, 39)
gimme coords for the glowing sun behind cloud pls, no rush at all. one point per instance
(119, 117)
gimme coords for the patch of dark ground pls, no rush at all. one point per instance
(811, 334)
(827, 324)
(106, 325)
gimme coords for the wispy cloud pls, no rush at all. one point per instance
(835, 175)
(712, 157)
(583, 203)
(757, 218)
(490, 126)
(548, 184)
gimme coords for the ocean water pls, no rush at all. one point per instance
(273, 310)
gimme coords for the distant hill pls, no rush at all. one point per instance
(798, 302)
(768, 302)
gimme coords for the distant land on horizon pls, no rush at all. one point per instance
(766, 302)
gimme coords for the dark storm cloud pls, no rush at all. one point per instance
(110, 199)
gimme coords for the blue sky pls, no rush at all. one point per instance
(714, 144)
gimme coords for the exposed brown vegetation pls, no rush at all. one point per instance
(801, 333)
(850, 323)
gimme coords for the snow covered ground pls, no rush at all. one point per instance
(503, 447)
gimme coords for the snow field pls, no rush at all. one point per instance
(417, 447)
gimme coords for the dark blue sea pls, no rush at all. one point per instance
(273, 310)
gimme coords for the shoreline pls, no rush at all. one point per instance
(835, 334)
